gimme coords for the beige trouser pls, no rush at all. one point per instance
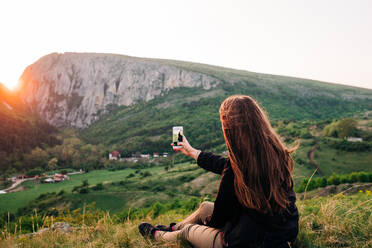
(193, 230)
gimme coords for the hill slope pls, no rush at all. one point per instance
(76, 89)
(20, 130)
(336, 221)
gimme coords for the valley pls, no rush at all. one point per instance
(74, 110)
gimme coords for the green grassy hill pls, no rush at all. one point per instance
(146, 127)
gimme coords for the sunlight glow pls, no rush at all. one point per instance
(11, 85)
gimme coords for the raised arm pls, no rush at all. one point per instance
(211, 162)
(206, 160)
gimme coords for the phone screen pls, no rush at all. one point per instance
(177, 136)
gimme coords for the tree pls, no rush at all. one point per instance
(52, 164)
(37, 158)
(346, 127)
(4, 161)
(341, 129)
(85, 183)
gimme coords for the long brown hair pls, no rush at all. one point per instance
(261, 163)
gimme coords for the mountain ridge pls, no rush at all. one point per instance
(77, 89)
(64, 82)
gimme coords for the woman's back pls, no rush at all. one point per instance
(255, 203)
(245, 227)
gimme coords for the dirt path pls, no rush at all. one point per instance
(15, 184)
(310, 156)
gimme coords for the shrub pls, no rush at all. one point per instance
(61, 192)
(83, 191)
(130, 175)
(35, 171)
(335, 179)
(64, 171)
(187, 178)
(158, 188)
(75, 189)
(146, 174)
(98, 186)
(345, 145)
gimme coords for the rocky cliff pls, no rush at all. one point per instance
(75, 89)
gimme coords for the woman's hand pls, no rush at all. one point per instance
(186, 148)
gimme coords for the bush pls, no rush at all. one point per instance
(64, 172)
(98, 186)
(130, 175)
(187, 178)
(85, 183)
(158, 188)
(35, 171)
(345, 145)
(61, 192)
(146, 174)
(83, 191)
(335, 179)
(75, 189)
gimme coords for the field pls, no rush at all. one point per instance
(119, 191)
(184, 180)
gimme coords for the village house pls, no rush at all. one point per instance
(57, 178)
(145, 156)
(115, 155)
(131, 159)
(60, 177)
(23, 176)
(354, 139)
(49, 180)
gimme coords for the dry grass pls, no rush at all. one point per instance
(337, 221)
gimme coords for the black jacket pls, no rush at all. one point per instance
(244, 227)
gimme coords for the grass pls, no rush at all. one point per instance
(341, 162)
(337, 221)
(334, 221)
(330, 161)
(12, 201)
(136, 191)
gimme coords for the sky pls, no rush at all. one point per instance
(323, 40)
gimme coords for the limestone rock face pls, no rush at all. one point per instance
(75, 89)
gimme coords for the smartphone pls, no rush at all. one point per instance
(177, 137)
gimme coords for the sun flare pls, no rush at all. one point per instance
(9, 84)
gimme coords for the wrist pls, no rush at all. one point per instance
(195, 154)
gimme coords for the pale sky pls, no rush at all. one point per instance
(323, 40)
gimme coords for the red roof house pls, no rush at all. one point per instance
(115, 155)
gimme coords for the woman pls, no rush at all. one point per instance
(255, 203)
